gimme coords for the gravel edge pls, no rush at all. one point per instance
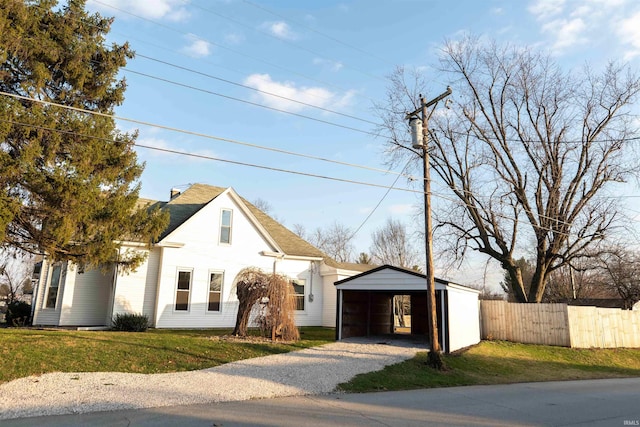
(316, 370)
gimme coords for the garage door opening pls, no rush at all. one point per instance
(402, 314)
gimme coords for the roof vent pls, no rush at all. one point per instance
(174, 193)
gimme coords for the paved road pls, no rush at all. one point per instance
(585, 403)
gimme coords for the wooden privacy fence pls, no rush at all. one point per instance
(560, 324)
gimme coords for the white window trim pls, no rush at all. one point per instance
(175, 291)
(45, 300)
(220, 242)
(207, 311)
(304, 294)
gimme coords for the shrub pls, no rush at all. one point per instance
(130, 322)
(18, 313)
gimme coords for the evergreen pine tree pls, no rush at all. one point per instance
(68, 179)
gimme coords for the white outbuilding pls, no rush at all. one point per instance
(368, 304)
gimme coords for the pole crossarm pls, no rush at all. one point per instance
(440, 97)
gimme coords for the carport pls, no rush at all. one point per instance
(366, 307)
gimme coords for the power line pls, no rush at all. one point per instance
(379, 202)
(297, 46)
(319, 32)
(207, 157)
(248, 102)
(203, 135)
(260, 166)
(237, 52)
(180, 67)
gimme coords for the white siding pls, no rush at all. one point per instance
(135, 291)
(85, 297)
(464, 318)
(330, 292)
(202, 253)
(389, 279)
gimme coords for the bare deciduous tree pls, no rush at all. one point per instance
(391, 245)
(15, 274)
(335, 241)
(299, 230)
(622, 275)
(527, 150)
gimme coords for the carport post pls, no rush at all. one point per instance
(420, 135)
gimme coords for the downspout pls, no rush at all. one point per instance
(312, 265)
(277, 258)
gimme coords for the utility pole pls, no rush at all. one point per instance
(420, 137)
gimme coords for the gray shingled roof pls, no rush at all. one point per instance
(185, 205)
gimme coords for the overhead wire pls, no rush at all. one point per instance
(255, 104)
(208, 75)
(384, 196)
(208, 157)
(329, 37)
(235, 51)
(306, 104)
(280, 39)
(281, 170)
(202, 135)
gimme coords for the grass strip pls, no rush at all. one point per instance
(501, 362)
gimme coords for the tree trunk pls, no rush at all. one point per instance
(536, 291)
(516, 283)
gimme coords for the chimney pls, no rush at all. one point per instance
(174, 193)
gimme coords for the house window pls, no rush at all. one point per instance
(298, 291)
(183, 290)
(225, 226)
(54, 286)
(215, 291)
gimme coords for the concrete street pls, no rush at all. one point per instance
(612, 402)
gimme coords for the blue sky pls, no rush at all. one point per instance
(329, 54)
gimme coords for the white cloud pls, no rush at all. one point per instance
(629, 33)
(570, 23)
(234, 38)
(172, 10)
(197, 47)
(318, 96)
(328, 63)
(546, 8)
(567, 33)
(401, 209)
(279, 29)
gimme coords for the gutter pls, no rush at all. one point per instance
(280, 255)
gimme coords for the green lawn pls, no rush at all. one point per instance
(498, 362)
(25, 352)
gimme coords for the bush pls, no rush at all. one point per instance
(130, 322)
(18, 313)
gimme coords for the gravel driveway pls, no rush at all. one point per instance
(316, 370)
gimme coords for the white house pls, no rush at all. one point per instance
(187, 278)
